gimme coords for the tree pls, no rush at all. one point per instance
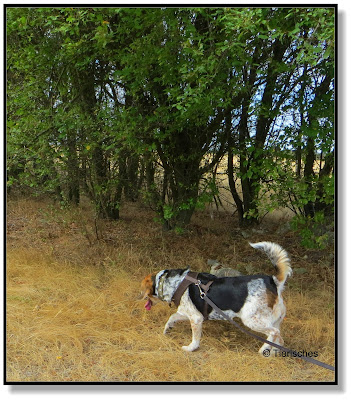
(70, 104)
(172, 78)
(284, 48)
(110, 102)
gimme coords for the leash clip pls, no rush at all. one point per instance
(202, 293)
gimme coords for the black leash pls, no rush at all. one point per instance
(203, 295)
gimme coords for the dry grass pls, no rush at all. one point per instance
(72, 313)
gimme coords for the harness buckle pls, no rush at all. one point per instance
(202, 293)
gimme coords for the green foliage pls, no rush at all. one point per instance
(103, 100)
(313, 231)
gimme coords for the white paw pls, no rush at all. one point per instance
(167, 329)
(189, 348)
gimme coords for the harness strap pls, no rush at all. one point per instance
(183, 286)
(282, 348)
(190, 278)
(196, 281)
(204, 291)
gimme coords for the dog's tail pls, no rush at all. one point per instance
(279, 258)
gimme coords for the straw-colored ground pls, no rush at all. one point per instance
(73, 313)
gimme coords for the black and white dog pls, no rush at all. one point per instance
(256, 299)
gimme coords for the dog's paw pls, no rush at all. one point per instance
(167, 329)
(190, 348)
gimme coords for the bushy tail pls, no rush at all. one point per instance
(279, 258)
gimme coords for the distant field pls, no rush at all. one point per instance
(73, 313)
(227, 202)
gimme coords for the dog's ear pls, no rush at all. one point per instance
(148, 286)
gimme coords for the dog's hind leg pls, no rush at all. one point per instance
(279, 313)
(273, 335)
(259, 324)
(172, 320)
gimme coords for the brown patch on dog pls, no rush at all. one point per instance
(271, 298)
(147, 286)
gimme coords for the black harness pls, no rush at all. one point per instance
(185, 283)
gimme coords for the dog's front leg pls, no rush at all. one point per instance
(172, 320)
(196, 327)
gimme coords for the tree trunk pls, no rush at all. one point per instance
(230, 165)
(313, 124)
(325, 172)
(73, 170)
(309, 176)
(250, 207)
(131, 183)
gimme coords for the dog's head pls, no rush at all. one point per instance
(148, 290)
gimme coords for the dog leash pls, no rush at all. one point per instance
(203, 295)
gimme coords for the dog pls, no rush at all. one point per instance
(255, 299)
(221, 270)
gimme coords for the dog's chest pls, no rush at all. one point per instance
(167, 285)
